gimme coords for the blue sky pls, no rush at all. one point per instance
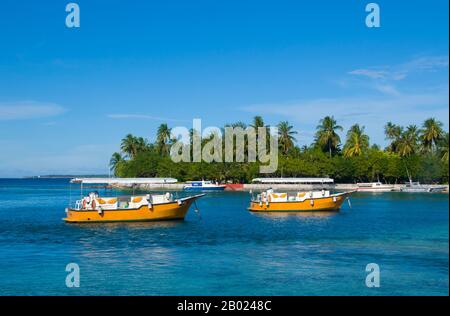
(68, 96)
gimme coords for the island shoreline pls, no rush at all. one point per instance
(257, 187)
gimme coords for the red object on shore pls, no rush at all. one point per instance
(234, 187)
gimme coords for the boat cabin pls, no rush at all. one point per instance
(93, 201)
(270, 196)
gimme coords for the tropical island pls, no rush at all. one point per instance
(420, 153)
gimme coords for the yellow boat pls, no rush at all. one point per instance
(155, 207)
(311, 201)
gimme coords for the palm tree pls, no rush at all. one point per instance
(357, 142)
(375, 147)
(413, 132)
(443, 148)
(114, 162)
(431, 133)
(163, 138)
(257, 122)
(141, 144)
(239, 124)
(304, 148)
(326, 135)
(407, 143)
(393, 133)
(286, 137)
(193, 133)
(129, 146)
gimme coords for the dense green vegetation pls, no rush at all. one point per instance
(421, 153)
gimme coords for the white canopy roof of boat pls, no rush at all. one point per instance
(294, 180)
(124, 180)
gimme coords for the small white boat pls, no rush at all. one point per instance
(204, 186)
(375, 187)
(416, 187)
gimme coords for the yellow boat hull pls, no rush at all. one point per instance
(318, 205)
(158, 212)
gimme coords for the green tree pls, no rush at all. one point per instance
(286, 137)
(326, 135)
(357, 141)
(163, 139)
(257, 122)
(431, 133)
(443, 148)
(129, 146)
(393, 133)
(115, 161)
(407, 143)
(141, 144)
(358, 161)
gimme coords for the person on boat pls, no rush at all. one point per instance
(86, 202)
(169, 196)
(89, 200)
(263, 197)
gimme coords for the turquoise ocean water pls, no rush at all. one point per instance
(229, 251)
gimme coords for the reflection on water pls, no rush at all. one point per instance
(134, 245)
(111, 226)
(288, 215)
(130, 254)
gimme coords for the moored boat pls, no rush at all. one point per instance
(416, 187)
(204, 186)
(150, 207)
(311, 201)
(375, 187)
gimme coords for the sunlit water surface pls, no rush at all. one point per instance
(227, 251)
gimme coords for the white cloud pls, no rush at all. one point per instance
(371, 73)
(401, 71)
(426, 63)
(387, 89)
(29, 110)
(143, 116)
(371, 111)
(383, 101)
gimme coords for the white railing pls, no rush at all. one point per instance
(78, 205)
